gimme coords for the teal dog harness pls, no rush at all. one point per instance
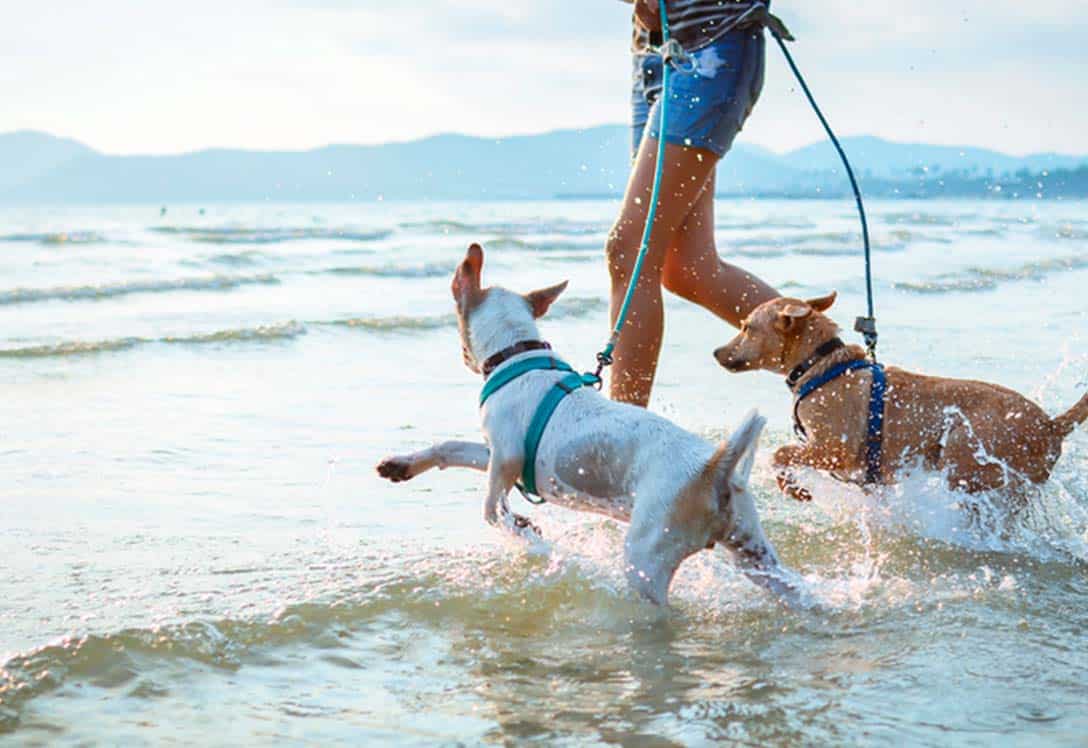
(568, 384)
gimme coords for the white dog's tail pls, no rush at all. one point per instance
(733, 460)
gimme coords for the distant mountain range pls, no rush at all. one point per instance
(40, 168)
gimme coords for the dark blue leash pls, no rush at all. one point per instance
(874, 441)
(544, 410)
(865, 325)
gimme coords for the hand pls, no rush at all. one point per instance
(648, 14)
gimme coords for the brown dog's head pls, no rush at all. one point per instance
(773, 335)
(492, 318)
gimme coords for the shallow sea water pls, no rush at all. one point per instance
(196, 547)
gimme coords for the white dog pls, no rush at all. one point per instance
(679, 494)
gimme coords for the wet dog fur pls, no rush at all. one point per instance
(981, 436)
(678, 493)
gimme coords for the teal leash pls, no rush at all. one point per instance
(573, 381)
(865, 325)
(604, 357)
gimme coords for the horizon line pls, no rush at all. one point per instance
(514, 136)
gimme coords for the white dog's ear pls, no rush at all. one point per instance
(823, 303)
(466, 280)
(541, 299)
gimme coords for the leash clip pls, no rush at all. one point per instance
(603, 360)
(673, 53)
(867, 327)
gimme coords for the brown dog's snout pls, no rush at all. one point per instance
(725, 357)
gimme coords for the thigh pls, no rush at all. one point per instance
(694, 249)
(682, 181)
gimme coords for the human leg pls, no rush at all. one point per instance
(694, 271)
(686, 171)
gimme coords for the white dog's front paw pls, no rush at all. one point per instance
(519, 526)
(396, 469)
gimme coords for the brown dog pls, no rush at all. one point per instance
(982, 436)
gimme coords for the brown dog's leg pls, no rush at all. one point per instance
(803, 455)
(964, 470)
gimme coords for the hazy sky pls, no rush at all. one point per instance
(129, 76)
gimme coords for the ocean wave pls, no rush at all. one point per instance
(772, 223)
(825, 244)
(985, 279)
(422, 270)
(920, 218)
(283, 331)
(513, 242)
(572, 308)
(277, 235)
(141, 659)
(556, 226)
(58, 237)
(771, 250)
(262, 333)
(571, 581)
(991, 232)
(125, 288)
(117, 658)
(937, 287)
(397, 323)
(72, 348)
(245, 258)
(1064, 231)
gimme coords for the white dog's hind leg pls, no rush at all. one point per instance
(754, 554)
(652, 555)
(471, 455)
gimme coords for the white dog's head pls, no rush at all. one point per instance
(493, 318)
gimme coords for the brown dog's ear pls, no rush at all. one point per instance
(541, 299)
(467, 278)
(823, 303)
(790, 315)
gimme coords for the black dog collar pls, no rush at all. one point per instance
(509, 352)
(802, 368)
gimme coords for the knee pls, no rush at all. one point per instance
(620, 255)
(621, 251)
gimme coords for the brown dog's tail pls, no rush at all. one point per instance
(1067, 421)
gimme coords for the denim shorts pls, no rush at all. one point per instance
(708, 106)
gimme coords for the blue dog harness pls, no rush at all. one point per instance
(568, 384)
(874, 442)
